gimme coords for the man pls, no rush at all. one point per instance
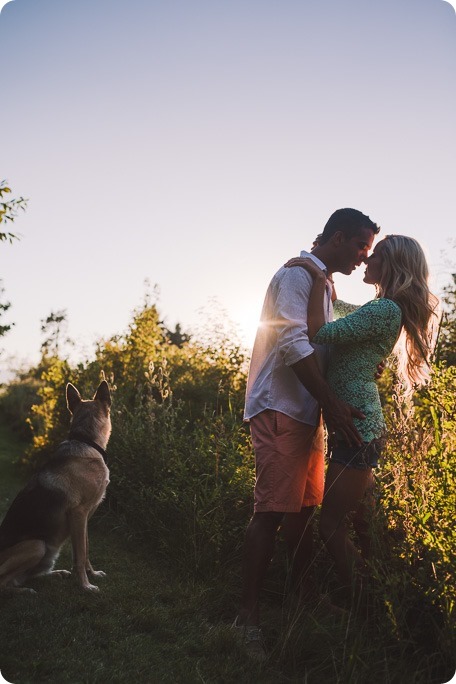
(286, 393)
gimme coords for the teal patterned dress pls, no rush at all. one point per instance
(359, 341)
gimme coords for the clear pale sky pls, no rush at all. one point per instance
(199, 144)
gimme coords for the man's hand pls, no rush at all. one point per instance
(337, 414)
(338, 417)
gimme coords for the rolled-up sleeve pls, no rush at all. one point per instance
(291, 299)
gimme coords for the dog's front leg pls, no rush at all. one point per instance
(78, 531)
(89, 568)
(95, 573)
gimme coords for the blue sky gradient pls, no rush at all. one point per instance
(200, 144)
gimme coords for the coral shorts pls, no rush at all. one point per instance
(289, 463)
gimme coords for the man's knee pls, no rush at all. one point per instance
(300, 522)
(265, 522)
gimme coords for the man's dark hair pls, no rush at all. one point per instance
(349, 222)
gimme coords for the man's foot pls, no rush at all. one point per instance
(251, 638)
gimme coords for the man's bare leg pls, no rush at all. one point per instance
(297, 529)
(258, 551)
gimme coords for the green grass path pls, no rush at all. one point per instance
(143, 626)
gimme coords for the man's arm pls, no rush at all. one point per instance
(297, 353)
(337, 414)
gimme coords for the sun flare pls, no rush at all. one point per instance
(248, 319)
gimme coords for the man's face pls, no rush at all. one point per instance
(353, 252)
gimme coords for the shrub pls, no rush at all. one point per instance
(416, 539)
(183, 486)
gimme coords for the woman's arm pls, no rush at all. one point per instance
(376, 320)
(315, 308)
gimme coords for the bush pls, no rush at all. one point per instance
(181, 461)
(416, 538)
(16, 401)
(183, 486)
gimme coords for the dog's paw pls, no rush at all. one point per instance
(91, 587)
(60, 573)
(98, 573)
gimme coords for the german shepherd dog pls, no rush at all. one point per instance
(59, 499)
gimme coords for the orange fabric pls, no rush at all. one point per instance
(289, 462)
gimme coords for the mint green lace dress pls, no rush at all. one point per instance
(359, 341)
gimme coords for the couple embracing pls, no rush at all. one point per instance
(307, 368)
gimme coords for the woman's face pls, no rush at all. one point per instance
(373, 272)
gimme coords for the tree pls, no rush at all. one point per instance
(4, 306)
(8, 213)
(177, 337)
(9, 210)
(54, 327)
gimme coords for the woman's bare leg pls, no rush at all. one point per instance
(345, 489)
(361, 520)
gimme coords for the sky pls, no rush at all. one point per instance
(196, 145)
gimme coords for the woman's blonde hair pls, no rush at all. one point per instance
(404, 279)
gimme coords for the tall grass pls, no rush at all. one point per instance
(184, 485)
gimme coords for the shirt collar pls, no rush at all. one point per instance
(315, 259)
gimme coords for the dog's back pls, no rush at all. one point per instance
(37, 512)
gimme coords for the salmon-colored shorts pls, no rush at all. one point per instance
(289, 463)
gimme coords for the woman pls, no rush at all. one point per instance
(403, 316)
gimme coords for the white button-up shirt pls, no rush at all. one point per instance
(281, 341)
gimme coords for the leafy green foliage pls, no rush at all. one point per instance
(54, 329)
(8, 213)
(4, 306)
(182, 475)
(9, 210)
(183, 485)
(414, 531)
(49, 418)
(17, 399)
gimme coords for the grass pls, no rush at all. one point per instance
(149, 624)
(144, 625)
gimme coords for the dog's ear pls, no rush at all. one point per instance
(73, 397)
(103, 394)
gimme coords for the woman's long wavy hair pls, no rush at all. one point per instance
(404, 279)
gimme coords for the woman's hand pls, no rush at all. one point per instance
(309, 266)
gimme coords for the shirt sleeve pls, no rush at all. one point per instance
(378, 317)
(291, 299)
